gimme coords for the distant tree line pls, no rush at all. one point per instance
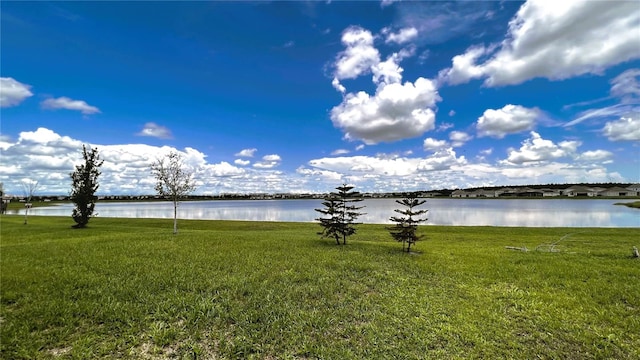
(554, 186)
(441, 193)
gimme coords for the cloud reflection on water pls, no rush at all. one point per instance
(487, 212)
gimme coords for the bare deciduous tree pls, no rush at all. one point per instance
(29, 187)
(173, 181)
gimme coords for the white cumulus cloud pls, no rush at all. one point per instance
(373, 165)
(464, 67)
(154, 130)
(320, 174)
(273, 157)
(442, 159)
(340, 152)
(459, 138)
(595, 155)
(624, 129)
(13, 92)
(397, 111)
(222, 169)
(402, 36)
(48, 157)
(508, 120)
(389, 167)
(431, 144)
(536, 148)
(554, 40)
(388, 71)
(268, 162)
(247, 152)
(358, 56)
(69, 104)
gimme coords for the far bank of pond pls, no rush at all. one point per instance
(459, 212)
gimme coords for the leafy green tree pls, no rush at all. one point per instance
(340, 214)
(173, 181)
(84, 184)
(3, 203)
(406, 226)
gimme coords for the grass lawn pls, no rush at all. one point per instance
(635, 204)
(128, 288)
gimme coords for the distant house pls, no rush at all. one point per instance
(617, 191)
(579, 191)
(506, 192)
(432, 194)
(459, 194)
(483, 193)
(596, 191)
(634, 188)
(529, 192)
(550, 192)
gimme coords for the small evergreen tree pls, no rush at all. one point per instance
(332, 224)
(341, 214)
(84, 184)
(406, 226)
(172, 181)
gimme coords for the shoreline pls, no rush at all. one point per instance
(275, 222)
(633, 205)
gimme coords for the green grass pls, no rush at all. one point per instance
(635, 204)
(128, 288)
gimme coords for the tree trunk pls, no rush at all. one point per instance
(175, 217)
(26, 212)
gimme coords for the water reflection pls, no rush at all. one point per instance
(489, 212)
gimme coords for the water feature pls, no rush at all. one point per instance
(490, 212)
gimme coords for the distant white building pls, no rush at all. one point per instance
(483, 193)
(459, 194)
(506, 192)
(550, 193)
(617, 191)
(635, 188)
(579, 190)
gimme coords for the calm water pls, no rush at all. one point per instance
(491, 212)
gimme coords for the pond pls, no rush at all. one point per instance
(464, 212)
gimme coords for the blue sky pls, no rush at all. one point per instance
(303, 96)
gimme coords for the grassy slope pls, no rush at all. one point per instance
(635, 204)
(127, 288)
